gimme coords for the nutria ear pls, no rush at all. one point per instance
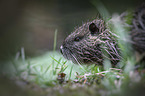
(93, 28)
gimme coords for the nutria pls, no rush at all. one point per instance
(89, 43)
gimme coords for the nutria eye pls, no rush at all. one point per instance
(77, 39)
(93, 28)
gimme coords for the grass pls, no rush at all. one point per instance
(52, 70)
(43, 68)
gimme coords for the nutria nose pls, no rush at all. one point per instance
(61, 49)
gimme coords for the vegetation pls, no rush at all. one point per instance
(51, 74)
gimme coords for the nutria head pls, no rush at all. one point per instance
(89, 44)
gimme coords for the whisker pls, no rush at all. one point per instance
(78, 62)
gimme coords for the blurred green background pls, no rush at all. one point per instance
(31, 23)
